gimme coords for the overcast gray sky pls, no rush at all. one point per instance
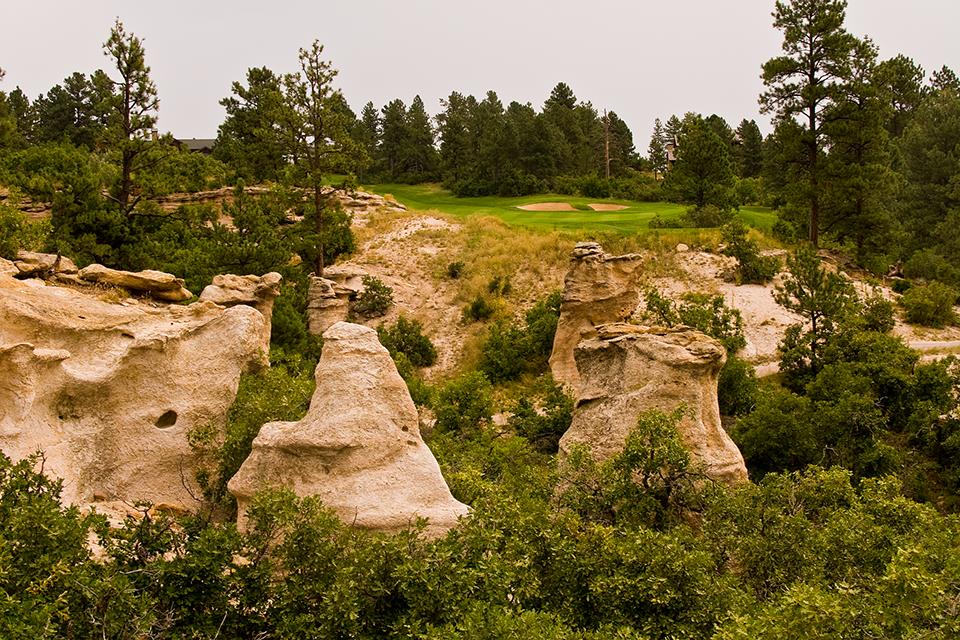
(642, 59)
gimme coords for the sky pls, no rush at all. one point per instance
(639, 58)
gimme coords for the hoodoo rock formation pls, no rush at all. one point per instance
(598, 289)
(111, 392)
(358, 448)
(625, 370)
(258, 292)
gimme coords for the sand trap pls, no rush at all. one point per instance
(548, 206)
(607, 207)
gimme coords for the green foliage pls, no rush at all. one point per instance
(478, 310)
(708, 216)
(930, 305)
(511, 349)
(703, 312)
(499, 286)
(752, 268)
(375, 299)
(464, 405)
(822, 298)
(928, 264)
(649, 483)
(543, 420)
(17, 232)
(737, 388)
(702, 174)
(455, 269)
(406, 337)
(877, 314)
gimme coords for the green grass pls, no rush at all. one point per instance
(635, 218)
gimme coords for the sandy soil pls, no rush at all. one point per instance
(548, 206)
(599, 206)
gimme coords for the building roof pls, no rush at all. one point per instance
(197, 144)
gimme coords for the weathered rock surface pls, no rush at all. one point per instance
(110, 392)
(160, 285)
(30, 264)
(358, 448)
(598, 289)
(254, 291)
(626, 370)
(328, 298)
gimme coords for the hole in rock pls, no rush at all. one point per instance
(168, 419)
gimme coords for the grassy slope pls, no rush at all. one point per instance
(633, 219)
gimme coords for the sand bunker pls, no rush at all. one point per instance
(548, 206)
(607, 207)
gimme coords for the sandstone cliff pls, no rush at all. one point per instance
(625, 370)
(358, 448)
(110, 392)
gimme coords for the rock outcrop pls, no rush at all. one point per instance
(30, 264)
(258, 292)
(328, 298)
(598, 289)
(111, 392)
(160, 285)
(358, 448)
(625, 370)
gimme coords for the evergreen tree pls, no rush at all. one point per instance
(657, 152)
(945, 79)
(366, 133)
(902, 81)
(75, 111)
(420, 154)
(748, 153)
(251, 139)
(622, 151)
(394, 139)
(805, 81)
(454, 133)
(702, 174)
(132, 117)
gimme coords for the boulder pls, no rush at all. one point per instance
(30, 264)
(258, 292)
(160, 285)
(112, 392)
(598, 289)
(8, 268)
(358, 448)
(626, 370)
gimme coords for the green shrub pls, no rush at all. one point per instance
(900, 285)
(375, 299)
(877, 314)
(709, 216)
(543, 426)
(510, 349)
(703, 312)
(18, 232)
(455, 270)
(659, 222)
(464, 405)
(928, 264)
(478, 310)
(752, 268)
(499, 286)
(420, 392)
(784, 231)
(738, 388)
(406, 337)
(930, 305)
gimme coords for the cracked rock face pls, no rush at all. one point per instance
(358, 448)
(598, 289)
(626, 370)
(111, 392)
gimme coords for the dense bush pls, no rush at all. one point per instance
(455, 269)
(464, 405)
(511, 348)
(704, 312)
(930, 305)
(708, 216)
(752, 268)
(406, 337)
(18, 232)
(928, 264)
(659, 222)
(375, 299)
(478, 310)
(737, 388)
(543, 420)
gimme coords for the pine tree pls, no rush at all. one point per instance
(749, 151)
(420, 153)
(657, 152)
(394, 138)
(805, 81)
(367, 135)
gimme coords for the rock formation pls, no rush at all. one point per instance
(30, 264)
(160, 285)
(358, 448)
(598, 289)
(110, 392)
(258, 292)
(328, 298)
(625, 370)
